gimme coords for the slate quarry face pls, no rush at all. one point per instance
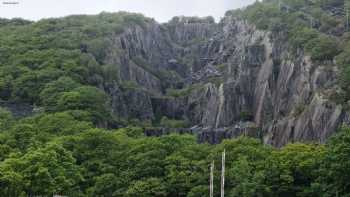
(234, 79)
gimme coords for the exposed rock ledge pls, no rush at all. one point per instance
(285, 93)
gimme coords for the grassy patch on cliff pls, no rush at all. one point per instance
(187, 91)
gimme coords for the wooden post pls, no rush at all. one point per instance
(212, 179)
(223, 174)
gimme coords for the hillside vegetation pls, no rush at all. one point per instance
(63, 153)
(56, 64)
(68, 146)
(321, 28)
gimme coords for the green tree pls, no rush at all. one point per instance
(6, 119)
(21, 136)
(248, 181)
(45, 171)
(50, 94)
(12, 183)
(187, 170)
(335, 168)
(170, 123)
(301, 35)
(151, 187)
(322, 48)
(28, 86)
(52, 123)
(101, 153)
(245, 166)
(292, 170)
(106, 185)
(6, 80)
(86, 98)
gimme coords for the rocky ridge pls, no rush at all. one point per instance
(225, 79)
(238, 74)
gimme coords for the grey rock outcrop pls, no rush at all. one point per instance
(240, 74)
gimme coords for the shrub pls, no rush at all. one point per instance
(182, 92)
(171, 123)
(322, 48)
(246, 116)
(300, 36)
(86, 98)
(6, 119)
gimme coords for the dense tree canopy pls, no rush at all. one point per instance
(56, 65)
(67, 154)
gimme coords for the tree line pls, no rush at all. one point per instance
(64, 153)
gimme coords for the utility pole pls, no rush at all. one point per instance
(212, 179)
(346, 6)
(223, 173)
(311, 22)
(347, 19)
(279, 5)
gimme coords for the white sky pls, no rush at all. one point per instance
(161, 10)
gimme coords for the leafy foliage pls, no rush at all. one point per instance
(334, 171)
(322, 48)
(85, 98)
(57, 65)
(318, 27)
(66, 153)
(309, 25)
(169, 123)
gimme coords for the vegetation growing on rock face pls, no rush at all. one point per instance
(186, 91)
(318, 27)
(322, 48)
(170, 123)
(309, 24)
(58, 65)
(246, 116)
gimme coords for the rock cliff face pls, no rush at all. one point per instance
(228, 75)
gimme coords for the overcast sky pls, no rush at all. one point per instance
(161, 10)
